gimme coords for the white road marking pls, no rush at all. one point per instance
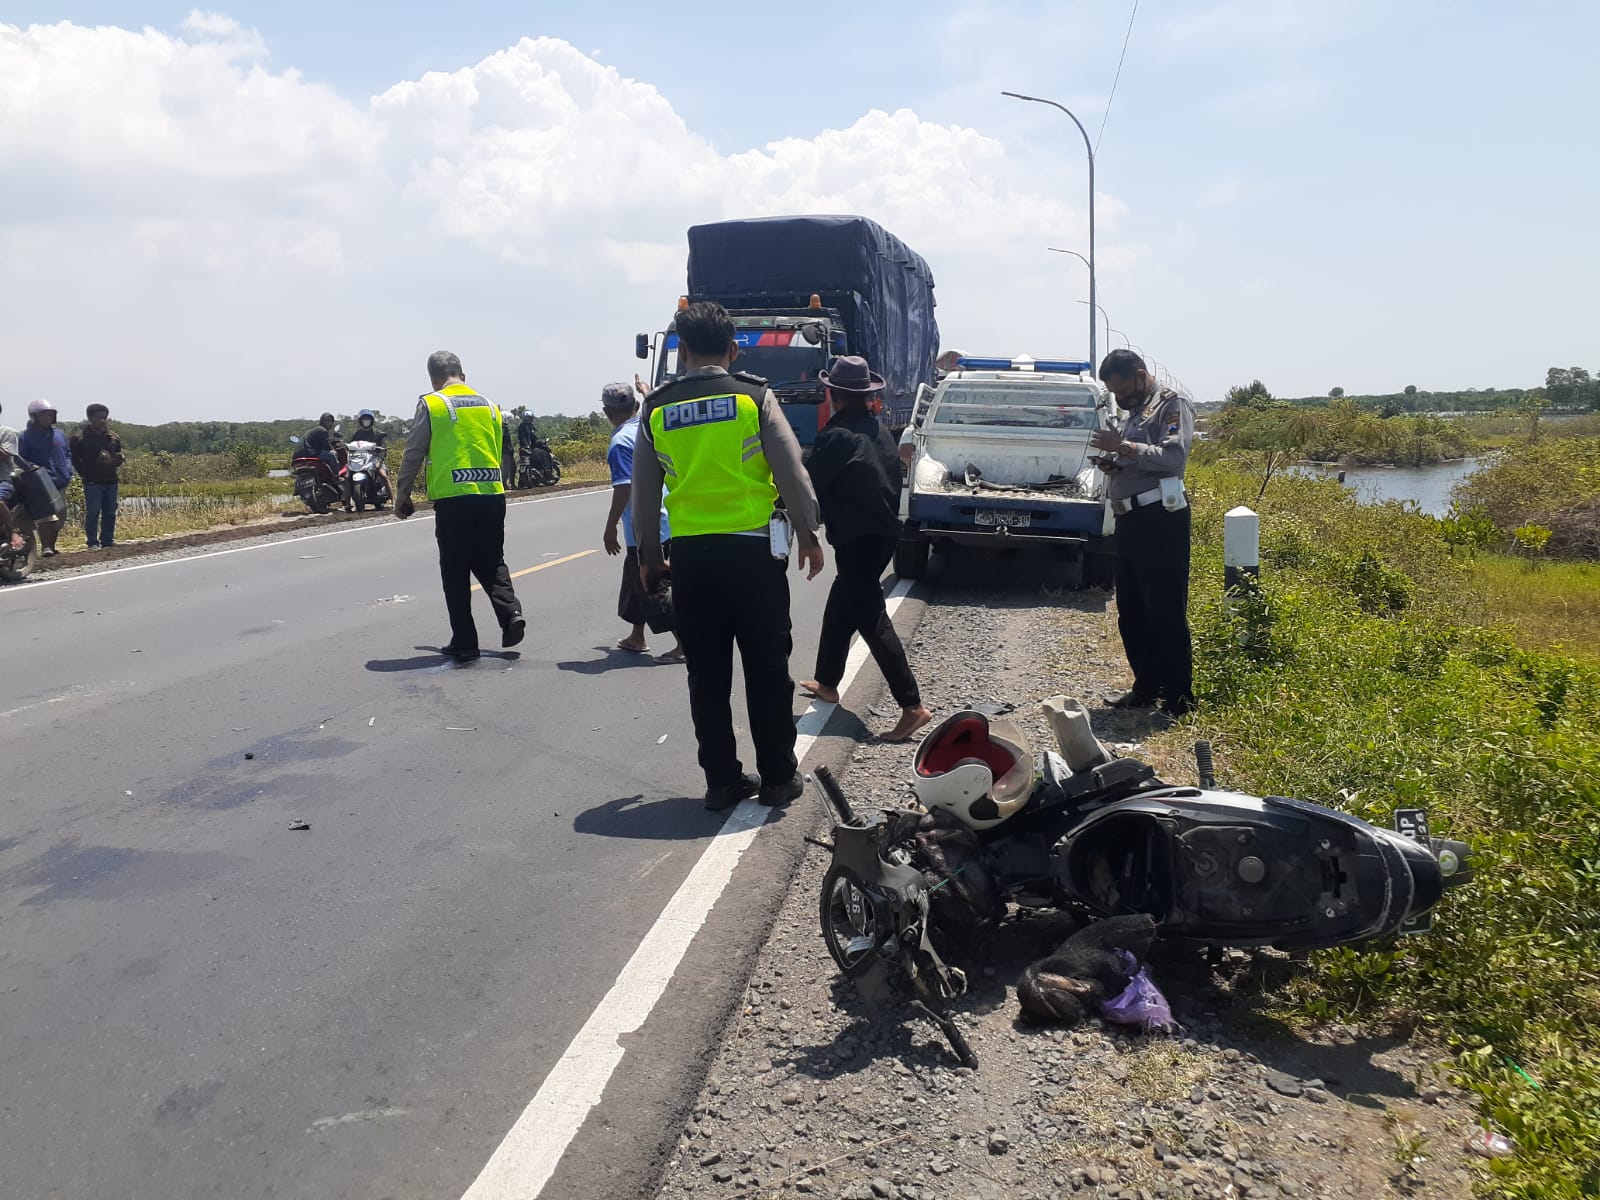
(524, 1162)
(29, 586)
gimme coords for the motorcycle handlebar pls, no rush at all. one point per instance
(836, 796)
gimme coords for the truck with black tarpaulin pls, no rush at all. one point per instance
(803, 290)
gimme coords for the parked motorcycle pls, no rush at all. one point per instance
(316, 485)
(537, 467)
(368, 482)
(37, 499)
(16, 563)
(1099, 835)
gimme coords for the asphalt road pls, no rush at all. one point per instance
(198, 1001)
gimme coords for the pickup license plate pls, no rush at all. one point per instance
(1413, 823)
(1012, 520)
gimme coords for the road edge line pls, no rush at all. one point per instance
(527, 1157)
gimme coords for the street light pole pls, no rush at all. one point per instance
(1106, 317)
(1089, 147)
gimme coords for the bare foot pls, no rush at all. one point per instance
(911, 720)
(821, 691)
(633, 646)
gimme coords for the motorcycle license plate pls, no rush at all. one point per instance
(1413, 823)
(1011, 520)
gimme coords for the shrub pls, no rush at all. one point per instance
(1346, 696)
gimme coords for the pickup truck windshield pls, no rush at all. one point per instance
(1017, 406)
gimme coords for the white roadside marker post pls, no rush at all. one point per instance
(1241, 548)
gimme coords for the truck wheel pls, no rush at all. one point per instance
(911, 559)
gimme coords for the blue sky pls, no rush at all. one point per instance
(1336, 193)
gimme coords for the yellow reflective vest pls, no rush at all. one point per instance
(465, 435)
(706, 430)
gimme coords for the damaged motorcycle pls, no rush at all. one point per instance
(1097, 835)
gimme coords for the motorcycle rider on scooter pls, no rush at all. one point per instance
(367, 430)
(323, 442)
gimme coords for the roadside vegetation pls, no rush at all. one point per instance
(1410, 428)
(1387, 661)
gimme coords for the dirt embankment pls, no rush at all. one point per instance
(817, 1093)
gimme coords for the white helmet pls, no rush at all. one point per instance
(979, 771)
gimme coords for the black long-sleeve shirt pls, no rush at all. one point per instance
(855, 468)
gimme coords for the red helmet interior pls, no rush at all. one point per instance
(966, 740)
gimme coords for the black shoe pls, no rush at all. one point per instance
(1131, 699)
(778, 795)
(719, 799)
(1181, 707)
(450, 650)
(514, 630)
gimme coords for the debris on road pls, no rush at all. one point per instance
(662, 740)
(371, 721)
(460, 728)
(299, 824)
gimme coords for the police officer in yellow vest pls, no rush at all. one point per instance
(721, 446)
(460, 435)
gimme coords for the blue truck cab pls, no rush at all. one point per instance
(803, 290)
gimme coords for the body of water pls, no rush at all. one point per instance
(1429, 486)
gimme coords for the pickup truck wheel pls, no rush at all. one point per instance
(911, 559)
(1100, 569)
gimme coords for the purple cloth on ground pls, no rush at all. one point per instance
(1140, 1003)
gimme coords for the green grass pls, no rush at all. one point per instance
(1368, 674)
(1545, 605)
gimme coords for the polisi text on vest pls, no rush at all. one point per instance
(700, 412)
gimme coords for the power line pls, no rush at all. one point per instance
(1107, 114)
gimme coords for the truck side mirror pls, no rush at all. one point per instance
(641, 345)
(812, 333)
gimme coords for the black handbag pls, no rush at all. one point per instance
(658, 604)
(39, 494)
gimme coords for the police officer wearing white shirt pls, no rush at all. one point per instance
(1144, 465)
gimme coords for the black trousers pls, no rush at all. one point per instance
(1153, 600)
(728, 590)
(855, 605)
(471, 531)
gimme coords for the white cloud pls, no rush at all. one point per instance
(189, 204)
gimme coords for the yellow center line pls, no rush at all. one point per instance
(554, 562)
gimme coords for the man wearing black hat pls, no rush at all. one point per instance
(855, 468)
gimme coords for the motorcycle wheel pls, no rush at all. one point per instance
(851, 916)
(17, 566)
(318, 504)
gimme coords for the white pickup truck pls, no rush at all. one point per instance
(1001, 461)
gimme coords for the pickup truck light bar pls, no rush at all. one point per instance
(1022, 362)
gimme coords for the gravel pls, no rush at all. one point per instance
(820, 1091)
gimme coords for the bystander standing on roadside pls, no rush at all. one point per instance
(726, 454)
(45, 446)
(1144, 467)
(621, 408)
(856, 472)
(97, 456)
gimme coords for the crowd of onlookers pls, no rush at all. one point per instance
(93, 453)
